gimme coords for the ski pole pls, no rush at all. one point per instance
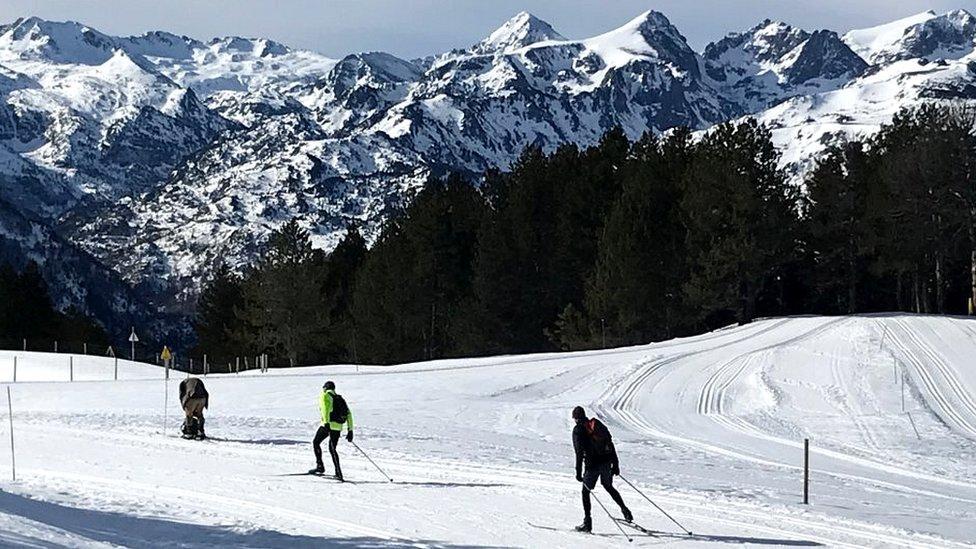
(687, 531)
(371, 461)
(607, 511)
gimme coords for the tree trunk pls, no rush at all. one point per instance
(917, 290)
(743, 301)
(972, 269)
(899, 291)
(972, 259)
(851, 278)
(939, 298)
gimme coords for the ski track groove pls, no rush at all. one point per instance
(734, 514)
(709, 403)
(944, 403)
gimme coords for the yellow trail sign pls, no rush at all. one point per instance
(166, 355)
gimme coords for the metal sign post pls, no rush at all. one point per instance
(133, 339)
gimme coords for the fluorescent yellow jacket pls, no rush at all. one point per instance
(325, 405)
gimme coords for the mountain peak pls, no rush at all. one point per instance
(260, 47)
(824, 57)
(162, 44)
(61, 42)
(948, 36)
(650, 35)
(648, 21)
(521, 30)
(876, 43)
(766, 42)
(647, 29)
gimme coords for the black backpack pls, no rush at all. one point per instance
(340, 410)
(599, 437)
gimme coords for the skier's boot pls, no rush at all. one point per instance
(587, 525)
(628, 516)
(319, 469)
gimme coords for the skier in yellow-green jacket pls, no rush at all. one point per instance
(335, 413)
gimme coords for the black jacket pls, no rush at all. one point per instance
(594, 451)
(192, 387)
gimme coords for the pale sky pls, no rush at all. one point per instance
(413, 28)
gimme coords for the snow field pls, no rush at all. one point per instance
(710, 427)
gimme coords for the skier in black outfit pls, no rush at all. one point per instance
(594, 447)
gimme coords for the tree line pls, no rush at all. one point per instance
(622, 243)
(28, 313)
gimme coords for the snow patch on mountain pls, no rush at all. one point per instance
(874, 44)
(524, 29)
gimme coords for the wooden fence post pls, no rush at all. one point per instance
(10, 413)
(806, 471)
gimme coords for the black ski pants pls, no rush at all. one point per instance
(325, 433)
(604, 473)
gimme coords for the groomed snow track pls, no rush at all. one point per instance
(711, 427)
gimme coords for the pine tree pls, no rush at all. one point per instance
(514, 260)
(922, 213)
(539, 245)
(412, 292)
(635, 291)
(219, 332)
(283, 298)
(77, 329)
(31, 305)
(343, 266)
(837, 224)
(742, 220)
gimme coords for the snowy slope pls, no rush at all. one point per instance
(873, 43)
(710, 427)
(926, 57)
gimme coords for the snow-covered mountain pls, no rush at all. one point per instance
(774, 61)
(161, 154)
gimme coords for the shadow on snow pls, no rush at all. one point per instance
(146, 532)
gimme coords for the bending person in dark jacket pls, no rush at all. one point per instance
(194, 399)
(594, 448)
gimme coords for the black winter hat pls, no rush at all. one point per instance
(579, 413)
(329, 386)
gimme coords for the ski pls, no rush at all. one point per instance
(550, 528)
(569, 529)
(326, 477)
(637, 527)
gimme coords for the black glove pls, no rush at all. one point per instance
(579, 476)
(615, 469)
(349, 436)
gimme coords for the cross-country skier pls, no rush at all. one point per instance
(194, 398)
(594, 447)
(335, 413)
